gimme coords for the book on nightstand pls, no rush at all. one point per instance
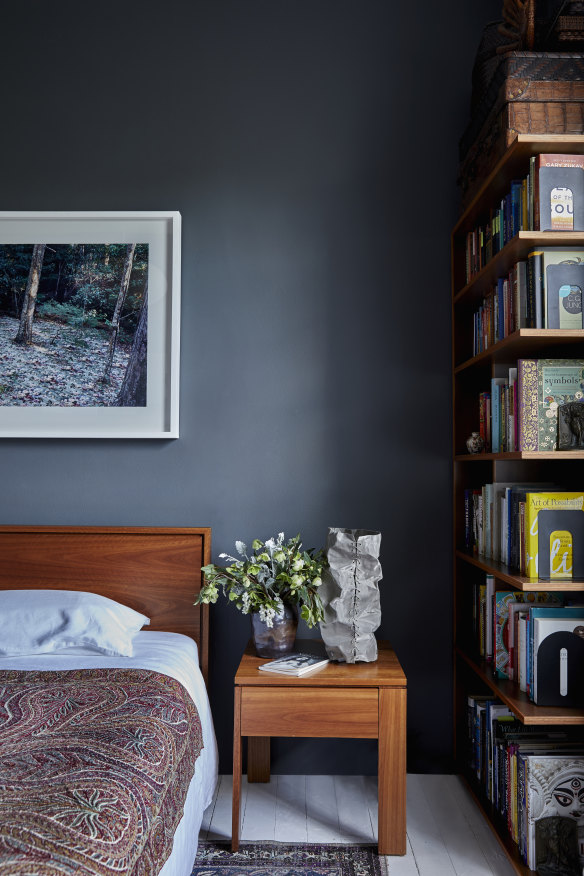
(295, 664)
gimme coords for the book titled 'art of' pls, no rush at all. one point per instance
(554, 531)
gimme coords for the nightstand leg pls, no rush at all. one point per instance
(236, 770)
(258, 758)
(392, 771)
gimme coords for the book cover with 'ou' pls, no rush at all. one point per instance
(559, 192)
(534, 503)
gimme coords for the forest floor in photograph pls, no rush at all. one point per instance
(61, 368)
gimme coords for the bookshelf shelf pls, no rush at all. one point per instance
(512, 252)
(517, 701)
(526, 343)
(512, 164)
(471, 375)
(556, 455)
(519, 582)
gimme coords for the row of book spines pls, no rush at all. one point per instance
(515, 302)
(494, 523)
(498, 415)
(491, 532)
(500, 749)
(502, 311)
(500, 523)
(511, 651)
(494, 526)
(514, 213)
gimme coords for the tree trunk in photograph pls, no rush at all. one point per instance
(24, 334)
(133, 391)
(118, 310)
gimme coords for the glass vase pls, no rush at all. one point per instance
(278, 639)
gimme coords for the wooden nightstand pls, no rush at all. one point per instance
(356, 701)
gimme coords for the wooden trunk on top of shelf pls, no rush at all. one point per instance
(530, 93)
(470, 376)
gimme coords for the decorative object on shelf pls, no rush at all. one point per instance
(571, 426)
(556, 847)
(269, 585)
(350, 595)
(475, 443)
(554, 786)
(518, 25)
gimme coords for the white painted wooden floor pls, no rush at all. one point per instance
(447, 835)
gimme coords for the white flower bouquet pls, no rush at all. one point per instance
(275, 573)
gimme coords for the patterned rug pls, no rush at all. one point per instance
(281, 859)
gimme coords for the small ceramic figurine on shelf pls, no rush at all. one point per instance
(475, 443)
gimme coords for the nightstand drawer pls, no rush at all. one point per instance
(310, 711)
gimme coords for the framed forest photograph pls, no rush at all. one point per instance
(89, 324)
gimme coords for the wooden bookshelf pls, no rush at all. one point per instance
(519, 582)
(515, 250)
(519, 702)
(471, 374)
(513, 346)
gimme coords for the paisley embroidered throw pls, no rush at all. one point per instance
(95, 765)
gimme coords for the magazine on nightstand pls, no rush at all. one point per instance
(298, 663)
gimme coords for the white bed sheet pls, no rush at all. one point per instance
(175, 655)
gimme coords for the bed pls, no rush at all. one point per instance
(153, 699)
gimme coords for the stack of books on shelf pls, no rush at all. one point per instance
(519, 411)
(535, 530)
(550, 198)
(534, 639)
(514, 213)
(543, 291)
(527, 773)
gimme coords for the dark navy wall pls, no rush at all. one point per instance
(311, 147)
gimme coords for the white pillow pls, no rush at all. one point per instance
(42, 621)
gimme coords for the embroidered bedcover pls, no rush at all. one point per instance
(95, 765)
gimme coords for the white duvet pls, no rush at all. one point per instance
(175, 655)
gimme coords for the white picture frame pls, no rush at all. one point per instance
(159, 416)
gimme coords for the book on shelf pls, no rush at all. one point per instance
(505, 219)
(501, 601)
(527, 772)
(483, 616)
(503, 310)
(558, 192)
(555, 279)
(297, 663)
(535, 289)
(491, 519)
(558, 657)
(554, 534)
(542, 385)
(554, 786)
(563, 281)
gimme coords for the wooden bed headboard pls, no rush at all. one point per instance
(155, 570)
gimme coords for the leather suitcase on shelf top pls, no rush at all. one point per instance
(529, 93)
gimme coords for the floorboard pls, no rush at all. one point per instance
(447, 833)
